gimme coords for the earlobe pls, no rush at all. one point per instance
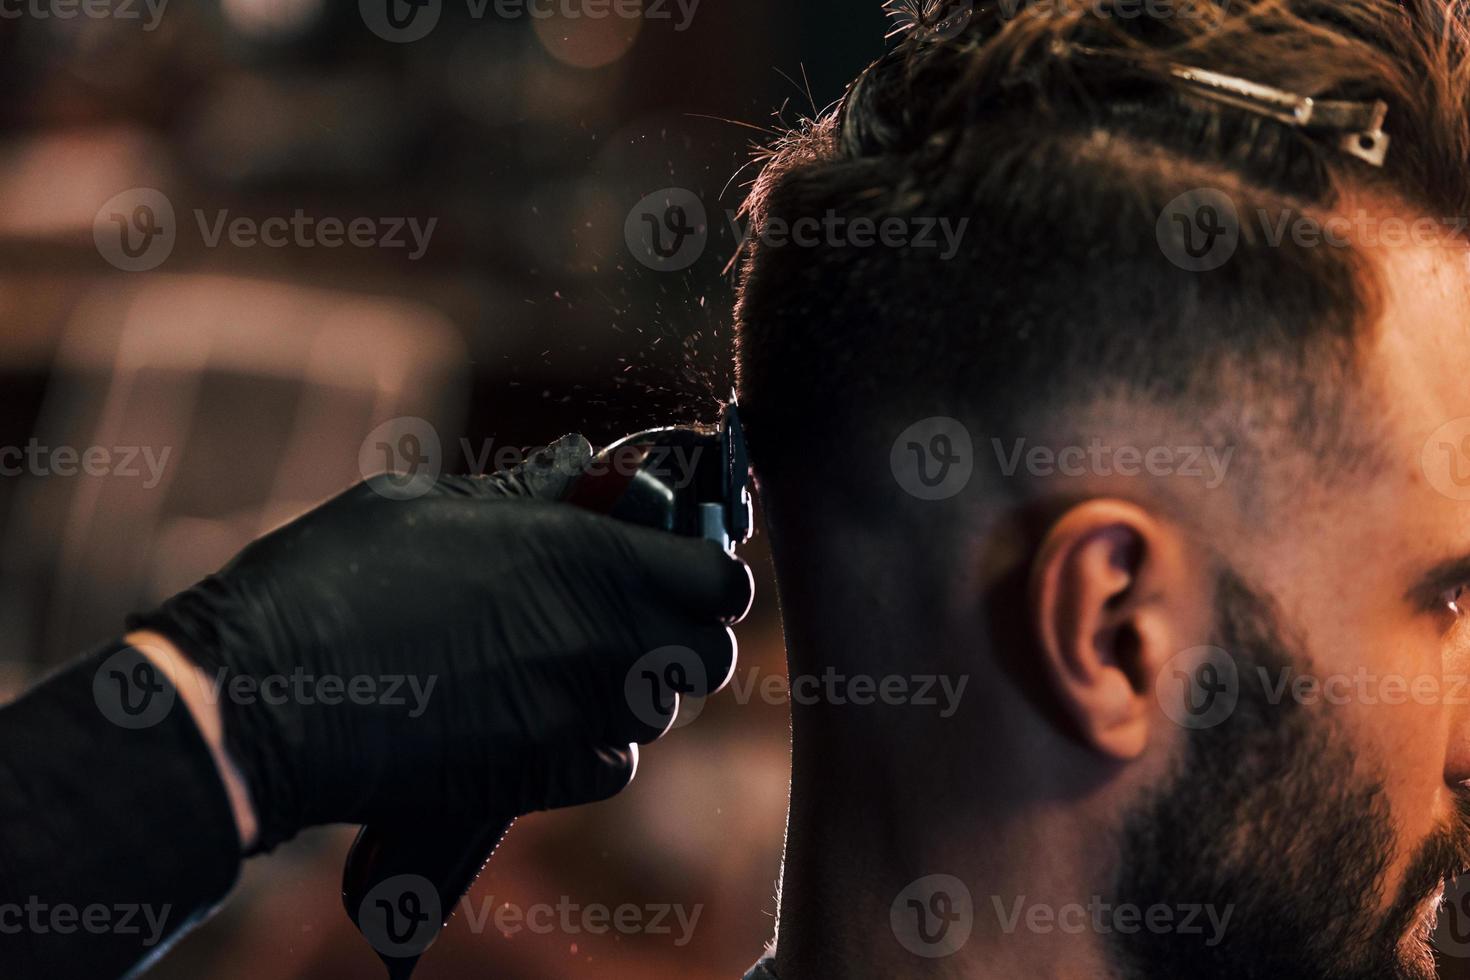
(1120, 726)
(1100, 603)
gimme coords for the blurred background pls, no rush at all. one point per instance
(239, 238)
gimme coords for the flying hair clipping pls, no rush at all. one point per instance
(1357, 127)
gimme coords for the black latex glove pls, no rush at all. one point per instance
(526, 616)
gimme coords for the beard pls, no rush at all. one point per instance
(1274, 820)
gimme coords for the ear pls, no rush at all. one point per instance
(1112, 600)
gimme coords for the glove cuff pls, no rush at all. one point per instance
(203, 622)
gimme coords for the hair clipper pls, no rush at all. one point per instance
(401, 883)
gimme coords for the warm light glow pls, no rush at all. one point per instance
(586, 42)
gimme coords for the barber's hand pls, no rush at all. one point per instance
(507, 621)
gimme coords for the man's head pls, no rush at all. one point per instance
(1214, 374)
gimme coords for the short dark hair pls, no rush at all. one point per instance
(1060, 291)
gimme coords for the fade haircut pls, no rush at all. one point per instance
(1061, 292)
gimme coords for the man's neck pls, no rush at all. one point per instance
(868, 890)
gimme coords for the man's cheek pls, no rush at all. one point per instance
(1394, 695)
(1403, 744)
(1391, 686)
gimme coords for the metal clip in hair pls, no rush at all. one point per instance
(1358, 126)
